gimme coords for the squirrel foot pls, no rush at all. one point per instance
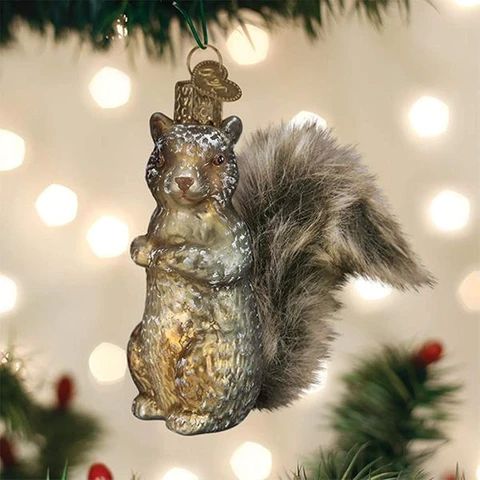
(145, 408)
(190, 423)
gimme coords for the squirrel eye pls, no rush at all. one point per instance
(218, 159)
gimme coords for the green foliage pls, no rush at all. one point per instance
(64, 473)
(58, 435)
(390, 404)
(67, 436)
(16, 407)
(93, 20)
(344, 466)
(459, 475)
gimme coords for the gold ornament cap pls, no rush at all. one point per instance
(200, 99)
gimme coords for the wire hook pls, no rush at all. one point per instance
(203, 45)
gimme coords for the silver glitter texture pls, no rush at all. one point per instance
(196, 356)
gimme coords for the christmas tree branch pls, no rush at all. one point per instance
(392, 401)
(60, 433)
(16, 407)
(94, 21)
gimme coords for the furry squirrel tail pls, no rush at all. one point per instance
(316, 217)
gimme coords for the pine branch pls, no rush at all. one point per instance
(345, 466)
(391, 400)
(62, 435)
(17, 410)
(93, 21)
(68, 436)
(389, 403)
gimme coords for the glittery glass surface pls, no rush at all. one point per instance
(196, 355)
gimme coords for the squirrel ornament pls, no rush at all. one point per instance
(241, 288)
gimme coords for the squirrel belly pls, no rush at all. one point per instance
(198, 353)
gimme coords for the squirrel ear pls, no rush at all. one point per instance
(159, 124)
(233, 127)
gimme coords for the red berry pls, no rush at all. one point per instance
(99, 471)
(449, 476)
(7, 453)
(430, 352)
(65, 388)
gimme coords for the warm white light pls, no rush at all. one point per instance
(306, 118)
(108, 363)
(449, 211)
(469, 291)
(12, 150)
(110, 87)
(8, 294)
(478, 473)
(320, 381)
(370, 289)
(429, 116)
(469, 3)
(179, 474)
(251, 461)
(108, 237)
(121, 26)
(57, 205)
(121, 30)
(248, 49)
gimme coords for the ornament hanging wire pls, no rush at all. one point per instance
(188, 19)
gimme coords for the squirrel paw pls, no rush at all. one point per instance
(190, 423)
(145, 408)
(140, 251)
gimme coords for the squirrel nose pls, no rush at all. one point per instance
(184, 183)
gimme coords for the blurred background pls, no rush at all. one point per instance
(74, 141)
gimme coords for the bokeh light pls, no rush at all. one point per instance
(304, 118)
(429, 116)
(57, 205)
(320, 382)
(108, 237)
(177, 473)
(469, 291)
(449, 211)
(110, 87)
(245, 50)
(468, 3)
(12, 150)
(251, 461)
(8, 294)
(371, 289)
(120, 26)
(108, 363)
